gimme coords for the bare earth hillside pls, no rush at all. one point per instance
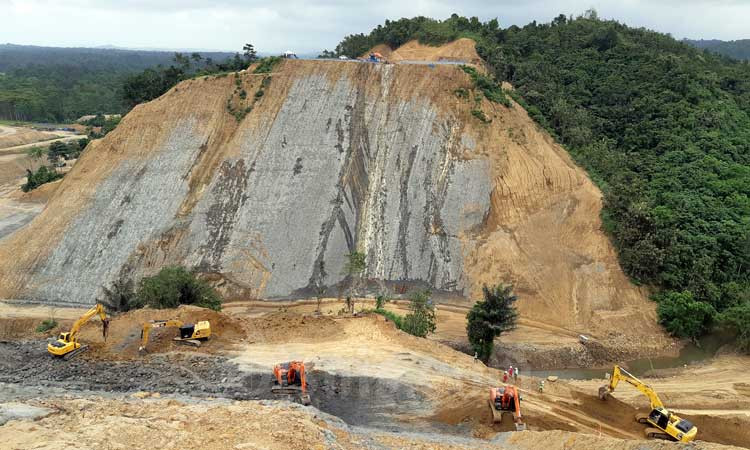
(264, 182)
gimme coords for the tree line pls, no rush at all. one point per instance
(661, 127)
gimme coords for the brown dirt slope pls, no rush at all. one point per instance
(459, 50)
(159, 423)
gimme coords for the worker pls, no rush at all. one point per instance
(476, 355)
(510, 371)
(541, 386)
(505, 376)
(515, 375)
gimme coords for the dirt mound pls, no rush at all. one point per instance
(124, 336)
(23, 136)
(278, 327)
(463, 50)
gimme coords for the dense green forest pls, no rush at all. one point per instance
(739, 49)
(662, 127)
(62, 84)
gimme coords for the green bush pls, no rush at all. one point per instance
(266, 65)
(491, 317)
(174, 286)
(682, 315)
(737, 320)
(479, 114)
(422, 319)
(42, 176)
(46, 325)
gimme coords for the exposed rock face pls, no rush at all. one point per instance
(267, 193)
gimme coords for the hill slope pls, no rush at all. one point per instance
(333, 157)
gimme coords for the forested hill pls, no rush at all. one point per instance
(739, 49)
(664, 130)
(60, 84)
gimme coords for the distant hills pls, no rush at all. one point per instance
(14, 56)
(739, 49)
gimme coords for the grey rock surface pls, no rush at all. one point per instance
(339, 170)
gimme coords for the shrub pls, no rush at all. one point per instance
(480, 115)
(682, 315)
(737, 320)
(46, 325)
(490, 318)
(174, 286)
(266, 65)
(42, 176)
(121, 296)
(422, 319)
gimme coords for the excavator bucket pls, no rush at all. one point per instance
(603, 392)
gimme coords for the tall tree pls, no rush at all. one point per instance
(250, 53)
(491, 317)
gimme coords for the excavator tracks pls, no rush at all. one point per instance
(655, 433)
(70, 355)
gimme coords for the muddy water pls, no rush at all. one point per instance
(689, 354)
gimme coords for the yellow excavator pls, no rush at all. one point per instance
(67, 345)
(663, 424)
(189, 333)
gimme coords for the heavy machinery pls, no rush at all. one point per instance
(189, 333)
(503, 400)
(67, 345)
(290, 380)
(663, 423)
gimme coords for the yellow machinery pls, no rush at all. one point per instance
(67, 344)
(663, 423)
(189, 333)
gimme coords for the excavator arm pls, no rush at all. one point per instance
(98, 309)
(67, 345)
(620, 374)
(189, 333)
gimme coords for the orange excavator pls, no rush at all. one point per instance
(290, 379)
(506, 399)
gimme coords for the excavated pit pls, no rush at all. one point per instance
(356, 400)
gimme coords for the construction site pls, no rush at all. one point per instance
(264, 195)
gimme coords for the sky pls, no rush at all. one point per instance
(309, 26)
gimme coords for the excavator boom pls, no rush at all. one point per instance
(189, 333)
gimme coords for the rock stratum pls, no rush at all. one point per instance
(264, 182)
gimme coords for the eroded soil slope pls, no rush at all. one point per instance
(264, 182)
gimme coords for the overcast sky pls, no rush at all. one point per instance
(303, 26)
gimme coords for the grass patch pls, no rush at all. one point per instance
(46, 325)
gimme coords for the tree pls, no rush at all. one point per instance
(491, 317)
(56, 151)
(327, 54)
(682, 315)
(353, 269)
(174, 286)
(121, 296)
(36, 152)
(737, 320)
(422, 318)
(42, 175)
(250, 53)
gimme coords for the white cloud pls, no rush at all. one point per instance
(310, 26)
